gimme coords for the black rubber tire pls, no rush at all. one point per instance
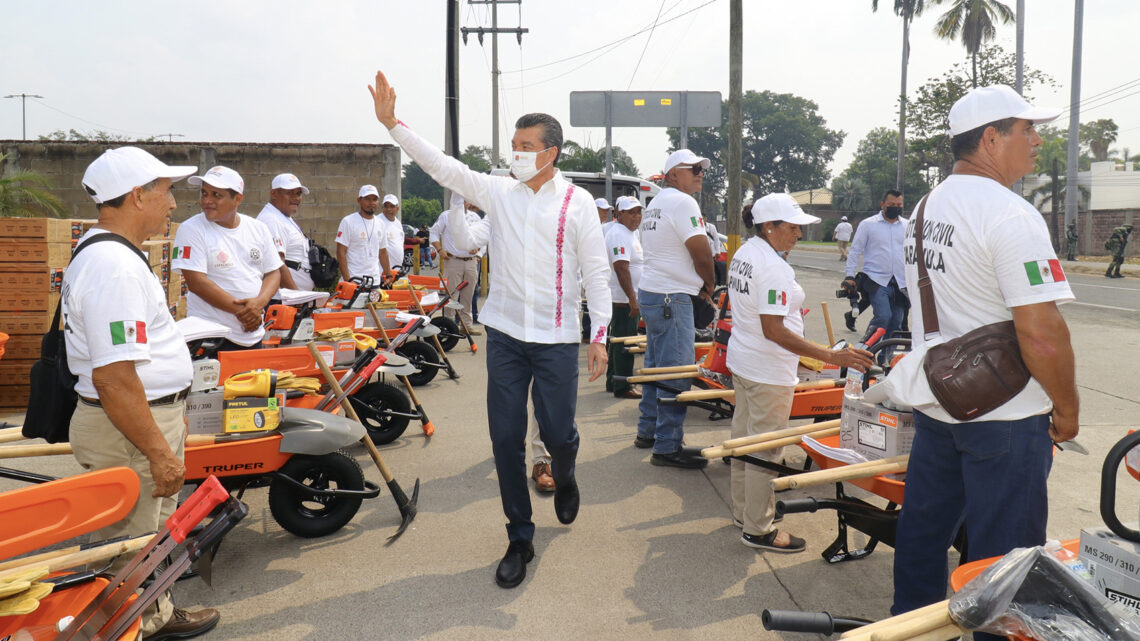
(311, 517)
(449, 332)
(418, 352)
(371, 401)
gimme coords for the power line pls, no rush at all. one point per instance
(91, 122)
(611, 44)
(646, 47)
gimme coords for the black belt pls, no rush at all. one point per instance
(165, 400)
(464, 258)
(293, 264)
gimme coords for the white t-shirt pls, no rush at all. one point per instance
(291, 241)
(234, 259)
(672, 218)
(843, 231)
(114, 309)
(623, 245)
(394, 240)
(363, 238)
(762, 283)
(441, 233)
(987, 250)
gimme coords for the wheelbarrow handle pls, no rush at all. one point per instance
(1108, 487)
(815, 622)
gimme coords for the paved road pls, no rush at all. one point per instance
(1093, 291)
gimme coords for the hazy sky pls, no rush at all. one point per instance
(296, 71)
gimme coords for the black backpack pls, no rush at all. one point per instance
(323, 268)
(53, 398)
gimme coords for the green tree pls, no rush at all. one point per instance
(787, 144)
(973, 20)
(97, 135)
(416, 211)
(416, 182)
(576, 157)
(874, 166)
(26, 193)
(908, 10)
(930, 108)
(849, 196)
(1098, 136)
(479, 158)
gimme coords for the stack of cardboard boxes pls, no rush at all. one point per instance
(34, 252)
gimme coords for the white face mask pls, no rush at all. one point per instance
(523, 164)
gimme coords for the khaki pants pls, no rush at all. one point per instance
(759, 408)
(843, 245)
(99, 445)
(456, 271)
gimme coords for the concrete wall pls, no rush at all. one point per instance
(333, 174)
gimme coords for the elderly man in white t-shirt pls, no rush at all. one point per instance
(360, 238)
(842, 236)
(279, 215)
(229, 260)
(678, 267)
(457, 265)
(132, 367)
(990, 260)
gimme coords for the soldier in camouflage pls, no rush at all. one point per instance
(1116, 243)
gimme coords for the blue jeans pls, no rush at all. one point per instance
(550, 373)
(991, 475)
(669, 341)
(887, 306)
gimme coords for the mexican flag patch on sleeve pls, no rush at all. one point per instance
(1041, 272)
(777, 297)
(123, 332)
(182, 252)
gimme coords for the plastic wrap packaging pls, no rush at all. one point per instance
(1030, 593)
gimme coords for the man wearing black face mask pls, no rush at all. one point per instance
(878, 243)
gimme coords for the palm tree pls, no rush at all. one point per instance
(908, 10)
(26, 193)
(974, 20)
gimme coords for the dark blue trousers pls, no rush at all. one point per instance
(991, 475)
(550, 373)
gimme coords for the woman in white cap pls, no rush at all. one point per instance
(763, 353)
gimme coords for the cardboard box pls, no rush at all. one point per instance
(1114, 564)
(174, 288)
(23, 347)
(35, 251)
(345, 351)
(26, 322)
(30, 277)
(14, 397)
(15, 371)
(18, 300)
(51, 230)
(875, 431)
(163, 273)
(204, 412)
(807, 374)
(250, 414)
(157, 251)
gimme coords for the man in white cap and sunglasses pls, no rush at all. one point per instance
(678, 269)
(989, 259)
(229, 260)
(133, 369)
(280, 216)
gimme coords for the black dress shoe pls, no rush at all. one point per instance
(566, 500)
(643, 442)
(512, 569)
(679, 459)
(850, 320)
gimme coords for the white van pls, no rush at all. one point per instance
(595, 183)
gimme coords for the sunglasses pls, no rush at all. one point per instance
(696, 169)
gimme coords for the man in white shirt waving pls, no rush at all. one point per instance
(545, 244)
(678, 267)
(279, 215)
(229, 260)
(360, 238)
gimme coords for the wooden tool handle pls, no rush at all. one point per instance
(891, 465)
(827, 323)
(72, 557)
(706, 395)
(676, 376)
(790, 431)
(721, 451)
(639, 338)
(379, 326)
(656, 370)
(827, 383)
(863, 633)
(914, 627)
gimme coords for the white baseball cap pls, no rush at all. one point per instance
(120, 170)
(220, 177)
(843, 218)
(368, 190)
(984, 105)
(391, 198)
(780, 207)
(684, 157)
(602, 203)
(626, 203)
(288, 182)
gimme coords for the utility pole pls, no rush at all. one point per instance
(1071, 190)
(494, 31)
(169, 137)
(735, 123)
(1056, 204)
(24, 110)
(451, 83)
(1020, 78)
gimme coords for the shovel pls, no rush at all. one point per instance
(428, 426)
(406, 506)
(451, 373)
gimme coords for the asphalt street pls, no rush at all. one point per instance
(653, 554)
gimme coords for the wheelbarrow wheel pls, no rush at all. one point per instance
(448, 332)
(313, 516)
(374, 404)
(420, 352)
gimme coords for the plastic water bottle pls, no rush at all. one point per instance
(854, 387)
(1068, 558)
(41, 632)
